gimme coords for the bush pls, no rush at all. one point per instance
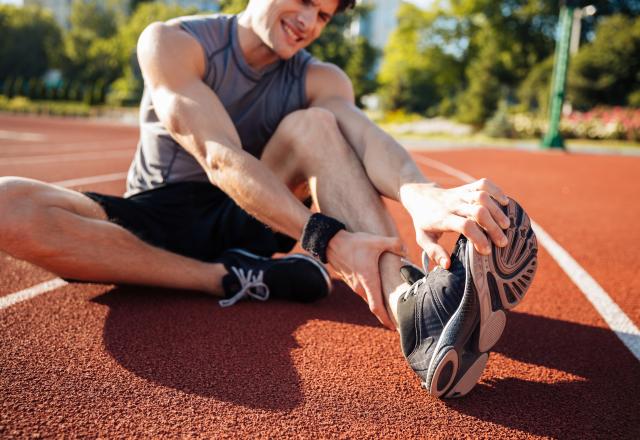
(603, 123)
(527, 125)
(22, 104)
(500, 124)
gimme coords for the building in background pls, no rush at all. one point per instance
(378, 24)
(61, 9)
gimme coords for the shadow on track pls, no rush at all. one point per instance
(602, 402)
(241, 354)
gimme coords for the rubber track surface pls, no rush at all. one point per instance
(91, 360)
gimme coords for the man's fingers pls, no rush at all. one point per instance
(482, 216)
(376, 303)
(493, 190)
(434, 251)
(470, 229)
(393, 245)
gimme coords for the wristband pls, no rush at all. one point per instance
(317, 233)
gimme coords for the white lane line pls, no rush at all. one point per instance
(21, 136)
(31, 292)
(45, 158)
(55, 283)
(92, 179)
(87, 143)
(619, 322)
(612, 314)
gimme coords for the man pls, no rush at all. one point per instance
(239, 126)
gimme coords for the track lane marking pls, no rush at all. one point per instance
(45, 158)
(21, 136)
(613, 315)
(89, 180)
(31, 292)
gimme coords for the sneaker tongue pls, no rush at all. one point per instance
(410, 274)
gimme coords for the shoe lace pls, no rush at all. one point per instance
(251, 285)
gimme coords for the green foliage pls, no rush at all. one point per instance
(30, 41)
(464, 56)
(127, 89)
(417, 74)
(21, 104)
(90, 47)
(499, 125)
(533, 92)
(233, 6)
(607, 70)
(356, 57)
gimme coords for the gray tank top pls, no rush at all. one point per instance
(256, 101)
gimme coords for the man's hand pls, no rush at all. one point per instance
(355, 257)
(470, 209)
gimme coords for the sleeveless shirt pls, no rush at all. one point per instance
(255, 100)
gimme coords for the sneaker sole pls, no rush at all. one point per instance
(502, 278)
(500, 281)
(321, 268)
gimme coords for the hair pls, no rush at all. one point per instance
(345, 4)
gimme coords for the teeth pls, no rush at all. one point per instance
(290, 32)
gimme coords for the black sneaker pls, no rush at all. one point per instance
(295, 277)
(450, 319)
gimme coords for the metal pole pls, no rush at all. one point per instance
(553, 138)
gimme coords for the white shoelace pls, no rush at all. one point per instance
(250, 285)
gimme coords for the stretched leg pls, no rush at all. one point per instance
(308, 147)
(68, 233)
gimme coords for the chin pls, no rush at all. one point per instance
(285, 53)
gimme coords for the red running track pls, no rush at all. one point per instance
(89, 360)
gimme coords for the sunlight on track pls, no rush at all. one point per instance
(606, 307)
(21, 136)
(612, 314)
(619, 322)
(90, 180)
(97, 155)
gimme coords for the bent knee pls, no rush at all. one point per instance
(314, 134)
(309, 123)
(13, 191)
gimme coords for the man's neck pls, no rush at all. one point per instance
(256, 53)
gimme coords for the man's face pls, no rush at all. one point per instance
(286, 26)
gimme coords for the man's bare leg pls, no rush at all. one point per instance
(68, 234)
(309, 147)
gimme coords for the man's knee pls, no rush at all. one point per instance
(313, 131)
(19, 214)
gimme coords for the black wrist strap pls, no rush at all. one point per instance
(317, 233)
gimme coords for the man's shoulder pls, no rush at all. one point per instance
(211, 30)
(324, 79)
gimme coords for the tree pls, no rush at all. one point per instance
(233, 6)
(356, 56)
(30, 42)
(128, 88)
(90, 50)
(419, 72)
(607, 70)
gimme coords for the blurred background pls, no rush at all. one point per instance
(460, 68)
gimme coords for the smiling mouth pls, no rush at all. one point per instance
(291, 33)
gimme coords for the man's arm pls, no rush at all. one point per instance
(173, 64)
(469, 209)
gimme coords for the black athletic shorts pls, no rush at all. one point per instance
(194, 219)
